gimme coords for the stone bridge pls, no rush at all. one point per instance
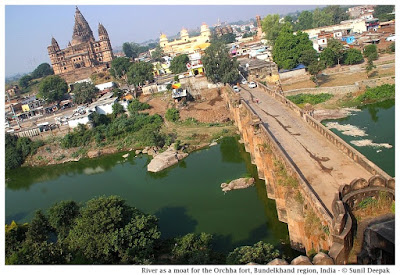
(306, 169)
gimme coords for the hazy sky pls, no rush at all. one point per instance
(28, 29)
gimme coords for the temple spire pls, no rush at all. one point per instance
(82, 32)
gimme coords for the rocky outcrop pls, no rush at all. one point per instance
(165, 160)
(322, 259)
(237, 184)
(301, 260)
(278, 262)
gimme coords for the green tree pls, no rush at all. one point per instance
(130, 49)
(271, 27)
(15, 236)
(178, 64)
(110, 231)
(337, 13)
(140, 72)
(36, 253)
(84, 92)
(353, 56)
(42, 70)
(308, 56)
(157, 54)
(370, 66)
(314, 69)
(52, 88)
(39, 229)
(321, 18)
(328, 56)
(260, 253)
(119, 67)
(337, 47)
(371, 51)
(193, 249)
(305, 21)
(62, 216)
(172, 114)
(289, 47)
(225, 38)
(24, 81)
(383, 12)
(135, 106)
(117, 109)
(218, 64)
(13, 155)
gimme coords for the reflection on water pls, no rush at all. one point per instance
(186, 197)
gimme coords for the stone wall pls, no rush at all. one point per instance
(293, 203)
(337, 90)
(290, 74)
(346, 200)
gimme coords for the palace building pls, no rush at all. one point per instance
(84, 55)
(186, 44)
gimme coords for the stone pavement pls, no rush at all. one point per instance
(323, 165)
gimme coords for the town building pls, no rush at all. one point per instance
(186, 44)
(13, 91)
(221, 30)
(84, 55)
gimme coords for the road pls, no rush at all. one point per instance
(324, 166)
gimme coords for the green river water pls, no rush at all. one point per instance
(186, 197)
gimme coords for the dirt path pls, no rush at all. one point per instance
(321, 163)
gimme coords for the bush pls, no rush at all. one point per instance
(307, 98)
(371, 51)
(385, 91)
(18, 148)
(353, 56)
(172, 114)
(136, 106)
(260, 253)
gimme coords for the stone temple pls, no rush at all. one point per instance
(84, 55)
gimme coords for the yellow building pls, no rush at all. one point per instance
(186, 44)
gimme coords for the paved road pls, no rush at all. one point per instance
(324, 166)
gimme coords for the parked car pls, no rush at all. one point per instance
(252, 84)
(236, 88)
(244, 81)
(391, 37)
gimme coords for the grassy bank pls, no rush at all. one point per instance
(371, 95)
(302, 99)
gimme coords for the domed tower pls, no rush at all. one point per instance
(163, 40)
(184, 35)
(105, 45)
(82, 32)
(205, 31)
(53, 49)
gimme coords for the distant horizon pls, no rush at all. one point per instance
(36, 25)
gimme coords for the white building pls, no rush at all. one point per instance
(104, 86)
(74, 121)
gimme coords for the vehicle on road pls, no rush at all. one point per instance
(391, 37)
(244, 81)
(252, 84)
(236, 88)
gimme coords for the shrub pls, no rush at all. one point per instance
(172, 114)
(353, 56)
(371, 51)
(136, 106)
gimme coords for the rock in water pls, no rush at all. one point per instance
(165, 160)
(125, 156)
(237, 184)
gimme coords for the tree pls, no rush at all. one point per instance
(225, 38)
(119, 67)
(289, 47)
(328, 56)
(39, 229)
(117, 109)
(178, 64)
(52, 88)
(42, 70)
(62, 216)
(140, 72)
(383, 12)
(130, 50)
(84, 92)
(370, 66)
(305, 21)
(15, 235)
(157, 54)
(353, 56)
(24, 81)
(136, 106)
(218, 64)
(308, 56)
(288, 19)
(193, 249)
(337, 13)
(260, 253)
(321, 18)
(172, 114)
(110, 231)
(370, 51)
(271, 27)
(314, 69)
(38, 253)
(13, 155)
(337, 49)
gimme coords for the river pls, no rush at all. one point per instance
(186, 197)
(375, 133)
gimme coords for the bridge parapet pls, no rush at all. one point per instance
(348, 199)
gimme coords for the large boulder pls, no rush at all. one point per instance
(301, 260)
(322, 259)
(165, 160)
(237, 184)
